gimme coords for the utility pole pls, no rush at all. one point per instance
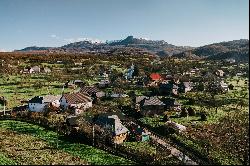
(63, 90)
(93, 133)
(4, 105)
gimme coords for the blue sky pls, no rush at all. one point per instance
(180, 22)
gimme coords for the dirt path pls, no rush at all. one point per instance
(174, 152)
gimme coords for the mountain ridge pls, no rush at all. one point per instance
(236, 49)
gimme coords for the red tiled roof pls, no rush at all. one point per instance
(75, 98)
(155, 76)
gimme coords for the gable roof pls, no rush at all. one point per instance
(51, 98)
(146, 101)
(36, 99)
(75, 98)
(153, 101)
(187, 84)
(110, 121)
(155, 76)
(221, 71)
(89, 90)
(138, 99)
(36, 68)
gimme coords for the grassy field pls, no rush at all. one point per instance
(19, 87)
(231, 100)
(141, 147)
(84, 152)
(4, 160)
(29, 150)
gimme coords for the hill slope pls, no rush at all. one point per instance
(236, 49)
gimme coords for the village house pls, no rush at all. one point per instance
(149, 106)
(171, 103)
(219, 73)
(76, 101)
(25, 71)
(78, 82)
(92, 91)
(167, 77)
(45, 70)
(168, 88)
(241, 74)
(224, 86)
(35, 69)
(184, 87)
(112, 124)
(78, 64)
(118, 92)
(104, 83)
(2, 62)
(69, 84)
(138, 133)
(129, 73)
(72, 123)
(103, 76)
(230, 60)
(194, 71)
(3, 102)
(39, 103)
(155, 77)
(219, 86)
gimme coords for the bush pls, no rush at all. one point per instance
(184, 112)
(203, 116)
(165, 118)
(230, 87)
(191, 111)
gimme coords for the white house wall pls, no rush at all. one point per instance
(36, 107)
(63, 103)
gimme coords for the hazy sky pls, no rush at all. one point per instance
(180, 22)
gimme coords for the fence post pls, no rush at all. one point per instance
(93, 133)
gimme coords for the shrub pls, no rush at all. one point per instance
(165, 118)
(184, 112)
(191, 111)
(203, 116)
